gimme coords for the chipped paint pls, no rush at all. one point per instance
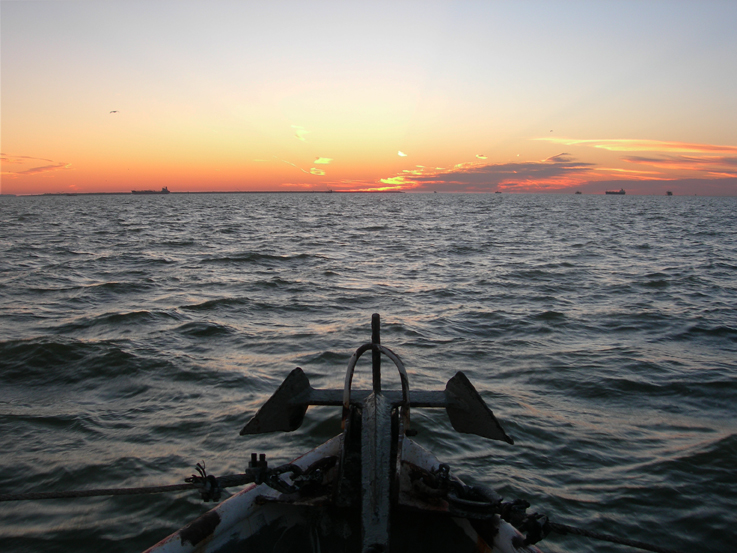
(198, 530)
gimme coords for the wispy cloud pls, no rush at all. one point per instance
(710, 164)
(44, 169)
(22, 160)
(554, 172)
(300, 132)
(322, 160)
(294, 165)
(670, 160)
(401, 154)
(628, 171)
(7, 158)
(481, 156)
(639, 145)
(312, 171)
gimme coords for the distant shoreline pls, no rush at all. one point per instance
(216, 192)
(324, 192)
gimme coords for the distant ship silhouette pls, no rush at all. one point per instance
(164, 190)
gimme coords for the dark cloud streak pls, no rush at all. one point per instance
(683, 160)
(485, 178)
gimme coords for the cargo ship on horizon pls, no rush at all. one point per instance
(164, 190)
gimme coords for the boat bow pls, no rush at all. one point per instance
(372, 475)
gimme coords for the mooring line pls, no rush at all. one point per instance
(565, 529)
(223, 482)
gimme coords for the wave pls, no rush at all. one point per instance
(717, 331)
(204, 329)
(255, 257)
(215, 304)
(116, 320)
(587, 330)
(59, 361)
(719, 457)
(550, 316)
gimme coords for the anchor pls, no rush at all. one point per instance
(384, 420)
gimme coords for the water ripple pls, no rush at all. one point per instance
(138, 336)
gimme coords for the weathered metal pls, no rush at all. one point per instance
(376, 472)
(352, 365)
(375, 353)
(370, 479)
(466, 409)
(279, 412)
(469, 413)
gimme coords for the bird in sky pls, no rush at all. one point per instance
(114, 111)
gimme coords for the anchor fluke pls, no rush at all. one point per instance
(280, 412)
(469, 414)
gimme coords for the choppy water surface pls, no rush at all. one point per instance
(138, 335)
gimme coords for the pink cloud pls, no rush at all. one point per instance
(718, 164)
(640, 145)
(557, 171)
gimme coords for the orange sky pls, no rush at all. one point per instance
(517, 97)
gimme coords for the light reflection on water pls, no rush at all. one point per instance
(139, 334)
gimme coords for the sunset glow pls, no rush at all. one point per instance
(229, 96)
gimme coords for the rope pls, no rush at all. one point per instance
(565, 529)
(209, 486)
(223, 482)
(513, 512)
(93, 493)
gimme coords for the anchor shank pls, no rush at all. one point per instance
(376, 466)
(375, 353)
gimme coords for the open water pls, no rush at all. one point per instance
(138, 334)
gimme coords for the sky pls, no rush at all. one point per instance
(512, 96)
